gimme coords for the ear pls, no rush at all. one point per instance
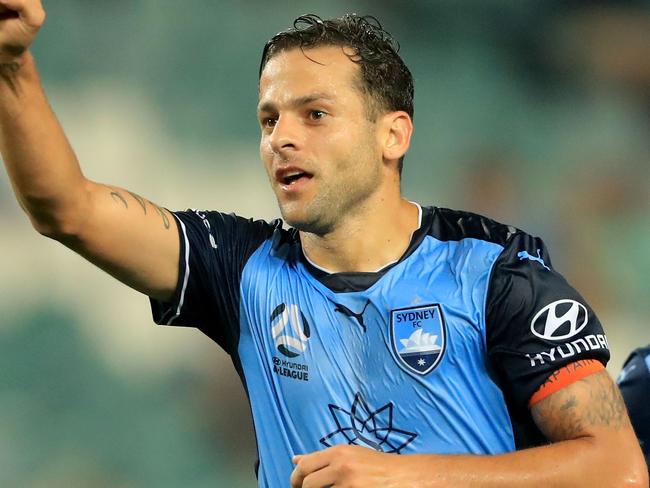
(397, 128)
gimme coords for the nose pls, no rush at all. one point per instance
(285, 135)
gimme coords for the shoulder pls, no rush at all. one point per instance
(231, 239)
(228, 226)
(213, 217)
(496, 243)
(446, 224)
(505, 245)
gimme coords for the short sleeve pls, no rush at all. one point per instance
(634, 382)
(214, 248)
(535, 321)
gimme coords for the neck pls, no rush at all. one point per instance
(366, 240)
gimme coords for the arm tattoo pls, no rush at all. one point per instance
(609, 407)
(117, 196)
(162, 215)
(8, 75)
(140, 200)
(573, 411)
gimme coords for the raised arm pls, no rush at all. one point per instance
(126, 235)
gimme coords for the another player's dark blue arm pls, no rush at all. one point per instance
(634, 383)
(593, 444)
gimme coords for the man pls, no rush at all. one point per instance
(381, 343)
(634, 382)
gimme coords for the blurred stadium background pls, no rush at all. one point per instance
(534, 113)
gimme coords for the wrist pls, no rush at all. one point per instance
(420, 470)
(15, 59)
(12, 69)
(402, 470)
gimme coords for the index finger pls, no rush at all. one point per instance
(307, 464)
(31, 11)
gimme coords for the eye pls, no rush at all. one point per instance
(269, 122)
(316, 114)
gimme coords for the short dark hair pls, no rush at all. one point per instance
(385, 79)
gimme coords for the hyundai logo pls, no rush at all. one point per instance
(559, 320)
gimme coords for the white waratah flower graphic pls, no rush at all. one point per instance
(362, 427)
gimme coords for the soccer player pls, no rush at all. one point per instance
(634, 382)
(381, 343)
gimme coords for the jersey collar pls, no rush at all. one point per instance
(359, 281)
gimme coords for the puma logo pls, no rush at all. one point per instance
(524, 255)
(349, 313)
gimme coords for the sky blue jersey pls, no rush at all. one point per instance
(438, 352)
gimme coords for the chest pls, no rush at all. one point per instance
(407, 356)
(408, 330)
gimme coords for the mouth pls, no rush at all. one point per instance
(292, 178)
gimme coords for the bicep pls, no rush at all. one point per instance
(589, 407)
(131, 238)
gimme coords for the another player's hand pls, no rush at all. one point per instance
(345, 466)
(20, 21)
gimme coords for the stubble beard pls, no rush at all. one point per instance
(311, 218)
(339, 197)
(331, 205)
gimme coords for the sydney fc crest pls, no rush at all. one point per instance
(418, 337)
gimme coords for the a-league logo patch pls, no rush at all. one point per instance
(418, 337)
(290, 330)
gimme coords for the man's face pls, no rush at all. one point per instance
(321, 152)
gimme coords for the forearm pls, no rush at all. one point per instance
(42, 167)
(573, 463)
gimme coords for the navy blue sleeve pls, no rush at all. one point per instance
(634, 382)
(214, 248)
(535, 321)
